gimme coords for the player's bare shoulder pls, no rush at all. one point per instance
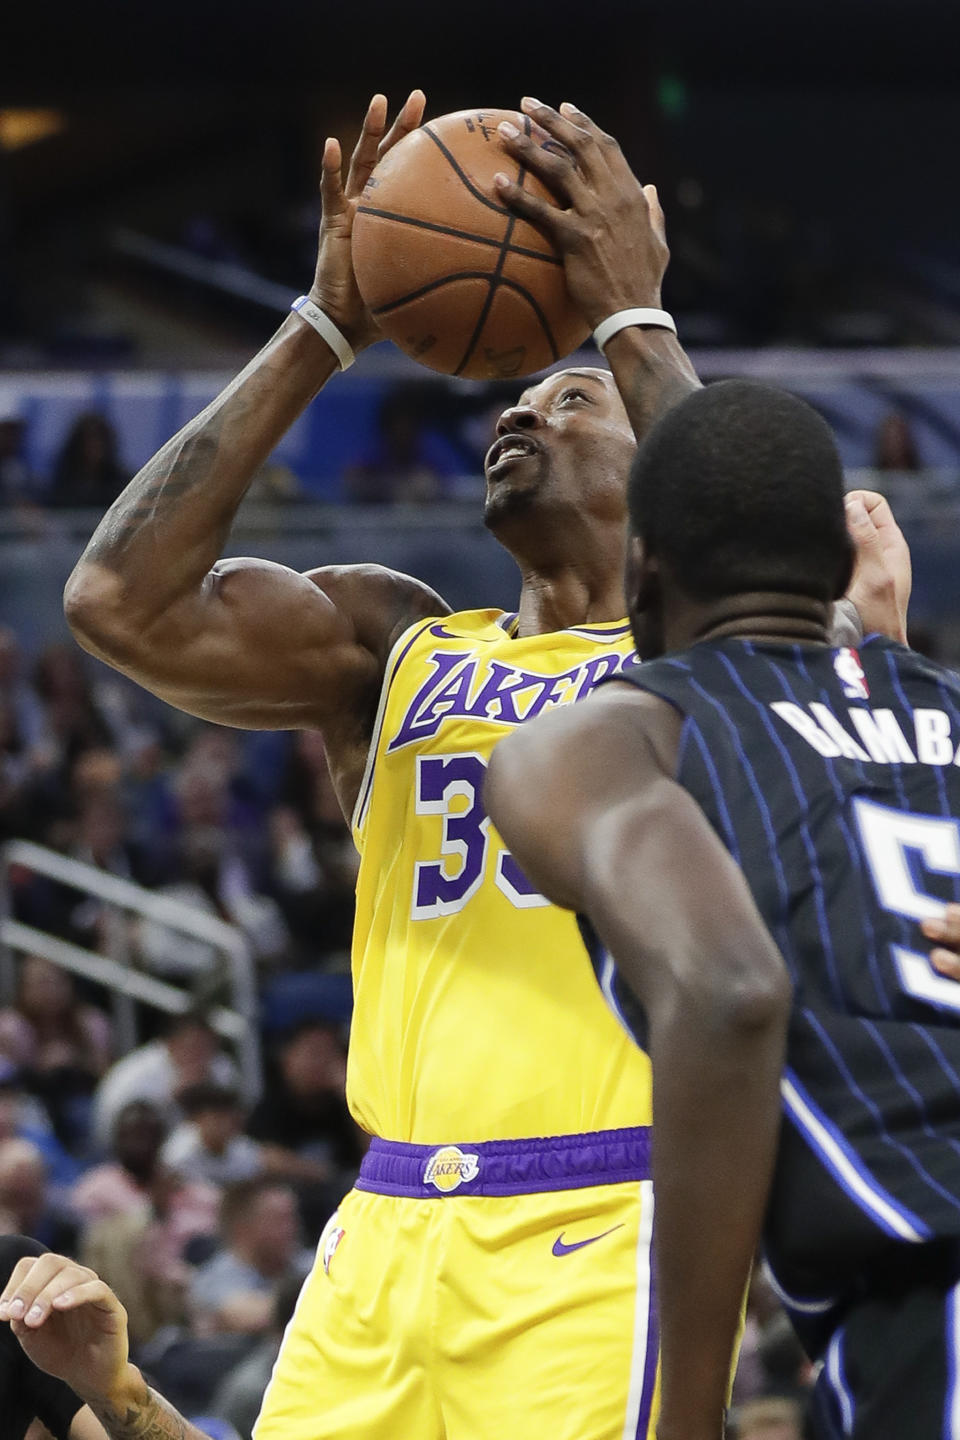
(381, 603)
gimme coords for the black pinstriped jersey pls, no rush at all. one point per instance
(833, 778)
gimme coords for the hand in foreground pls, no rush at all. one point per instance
(334, 286)
(69, 1323)
(882, 578)
(607, 226)
(945, 957)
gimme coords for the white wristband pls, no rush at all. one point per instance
(325, 327)
(606, 330)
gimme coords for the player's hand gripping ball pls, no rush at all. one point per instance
(451, 276)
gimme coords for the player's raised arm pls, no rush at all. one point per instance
(246, 642)
(610, 231)
(583, 797)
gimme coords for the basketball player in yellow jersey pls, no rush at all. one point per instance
(490, 1273)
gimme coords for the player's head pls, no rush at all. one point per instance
(563, 450)
(737, 490)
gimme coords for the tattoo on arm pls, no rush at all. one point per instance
(160, 487)
(151, 1419)
(171, 521)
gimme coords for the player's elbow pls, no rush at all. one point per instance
(762, 1002)
(750, 996)
(95, 612)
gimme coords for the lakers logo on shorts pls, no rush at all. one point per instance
(449, 1167)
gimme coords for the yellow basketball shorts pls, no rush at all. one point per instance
(479, 1292)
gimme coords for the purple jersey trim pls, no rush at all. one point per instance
(650, 1359)
(513, 1167)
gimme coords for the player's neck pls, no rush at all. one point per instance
(568, 596)
(765, 616)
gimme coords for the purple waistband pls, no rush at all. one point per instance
(506, 1167)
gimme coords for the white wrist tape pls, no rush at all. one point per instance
(325, 327)
(606, 330)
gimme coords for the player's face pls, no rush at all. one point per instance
(567, 443)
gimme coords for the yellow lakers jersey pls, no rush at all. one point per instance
(477, 1015)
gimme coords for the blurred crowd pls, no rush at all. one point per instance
(201, 1205)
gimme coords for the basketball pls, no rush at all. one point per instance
(451, 275)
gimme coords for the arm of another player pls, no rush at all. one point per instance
(595, 821)
(609, 229)
(71, 1325)
(246, 642)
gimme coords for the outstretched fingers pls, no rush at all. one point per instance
(656, 211)
(364, 155)
(409, 119)
(331, 182)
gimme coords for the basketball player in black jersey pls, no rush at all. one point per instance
(760, 829)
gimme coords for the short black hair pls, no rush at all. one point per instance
(740, 488)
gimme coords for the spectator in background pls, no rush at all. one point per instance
(234, 1291)
(17, 693)
(407, 461)
(17, 484)
(895, 447)
(26, 1199)
(63, 1044)
(215, 859)
(16, 773)
(148, 798)
(73, 722)
(240, 1395)
(77, 808)
(314, 858)
(48, 1028)
(145, 1253)
(23, 1117)
(122, 1183)
(210, 1145)
(303, 1110)
(21, 734)
(161, 1070)
(87, 470)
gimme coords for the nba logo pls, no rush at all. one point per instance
(330, 1247)
(850, 674)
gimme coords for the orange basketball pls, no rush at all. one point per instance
(452, 276)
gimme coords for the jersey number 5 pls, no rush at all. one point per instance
(451, 786)
(889, 839)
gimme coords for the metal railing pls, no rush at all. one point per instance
(116, 970)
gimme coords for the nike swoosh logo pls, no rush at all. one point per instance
(442, 633)
(560, 1249)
